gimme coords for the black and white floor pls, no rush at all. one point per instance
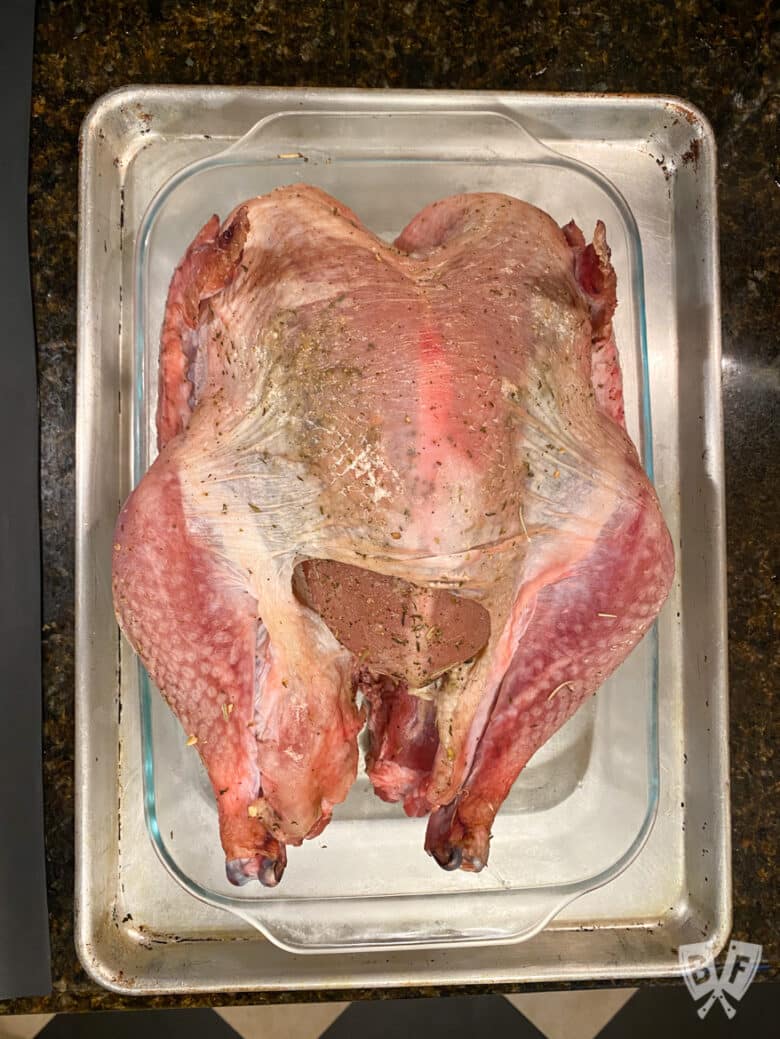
(647, 1013)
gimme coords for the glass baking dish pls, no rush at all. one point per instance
(585, 804)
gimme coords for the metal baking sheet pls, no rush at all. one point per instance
(136, 930)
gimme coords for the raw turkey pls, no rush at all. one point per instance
(394, 471)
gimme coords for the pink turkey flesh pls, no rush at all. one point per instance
(401, 470)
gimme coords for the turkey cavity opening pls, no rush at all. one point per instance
(392, 626)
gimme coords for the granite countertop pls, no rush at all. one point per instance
(726, 63)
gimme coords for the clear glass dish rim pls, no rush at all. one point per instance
(555, 897)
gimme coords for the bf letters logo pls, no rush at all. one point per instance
(701, 975)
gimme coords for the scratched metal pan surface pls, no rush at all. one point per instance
(138, 930)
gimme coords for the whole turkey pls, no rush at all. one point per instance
(394, 487)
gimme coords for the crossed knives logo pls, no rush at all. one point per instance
(701, 974)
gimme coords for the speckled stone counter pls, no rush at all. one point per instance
(726, 63)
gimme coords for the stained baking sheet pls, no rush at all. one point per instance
(137, 930)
